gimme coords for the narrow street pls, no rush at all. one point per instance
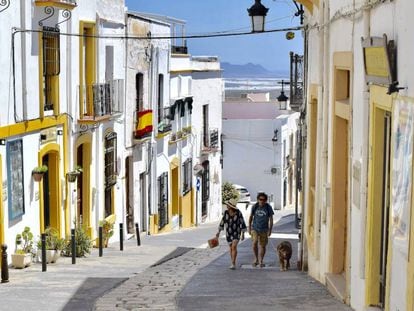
(200, 280)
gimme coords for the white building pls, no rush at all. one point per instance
(358, 178)
(63, 110)
(259, 150)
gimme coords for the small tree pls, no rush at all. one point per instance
(228, 191)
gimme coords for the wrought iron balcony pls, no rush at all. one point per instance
(63, 4)
(102, 100)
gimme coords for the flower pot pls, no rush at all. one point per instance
(72, 176)
(20, 261)
(51, 255)
(37, 176)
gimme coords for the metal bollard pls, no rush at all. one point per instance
(44, 264)
(4, 264)
(73, 240)
(100, 242)
(121, 236)
(137, 234)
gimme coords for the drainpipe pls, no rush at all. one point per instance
(23, 59)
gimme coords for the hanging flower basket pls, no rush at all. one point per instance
(72, 176)
(38, 172)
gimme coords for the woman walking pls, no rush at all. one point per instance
(235, 228)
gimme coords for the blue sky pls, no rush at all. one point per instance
(202, 16)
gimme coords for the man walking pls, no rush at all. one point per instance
(260, 227)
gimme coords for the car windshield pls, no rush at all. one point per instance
(242, 190)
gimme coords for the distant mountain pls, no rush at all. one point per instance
(250, 71)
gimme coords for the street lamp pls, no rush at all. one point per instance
(258, 14)
(282, 98)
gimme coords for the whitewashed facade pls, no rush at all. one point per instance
(357, 219)
(259, 154)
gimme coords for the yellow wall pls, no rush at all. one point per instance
(187, 210)
(312, 143)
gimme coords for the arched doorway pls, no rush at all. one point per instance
(49, 189)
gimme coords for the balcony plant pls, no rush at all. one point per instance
(83, 243)
(179, 134)
(24, 245)
(72, 175)
(228, 191)
(38, 172)
(54, 245)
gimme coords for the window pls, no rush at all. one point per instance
(110, 159)
(187, 176)
(205, 126)
(160, 97)
(15, 178)
(87, 69)
(139, 87)
(51, 67)
(163, 200)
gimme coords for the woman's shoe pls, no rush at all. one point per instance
(232, 267)
(255, 264)
(262, 265)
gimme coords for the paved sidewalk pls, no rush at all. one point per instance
(76, 287)
(217, 288)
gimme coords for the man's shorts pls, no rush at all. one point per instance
(260, 237)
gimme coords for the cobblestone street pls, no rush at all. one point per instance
(200, 280)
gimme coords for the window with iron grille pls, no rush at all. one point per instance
(110, 160)
(51, 65)
(205, 183)
(187, 176)
(163, 200)
(15, 178)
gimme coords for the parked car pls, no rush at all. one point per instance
(244, 195)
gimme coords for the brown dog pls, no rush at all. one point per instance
(284, 250)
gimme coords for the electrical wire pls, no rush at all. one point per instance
(130, 37)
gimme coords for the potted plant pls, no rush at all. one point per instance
(54, 245)
(38, 172)
(107, 229)
(83, 243)
(72, 175)
(179, 134)
(24, 245)
(173, 137)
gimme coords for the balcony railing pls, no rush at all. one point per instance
(143, 128)
(103, 99)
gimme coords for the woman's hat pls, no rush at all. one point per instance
(232, 203)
